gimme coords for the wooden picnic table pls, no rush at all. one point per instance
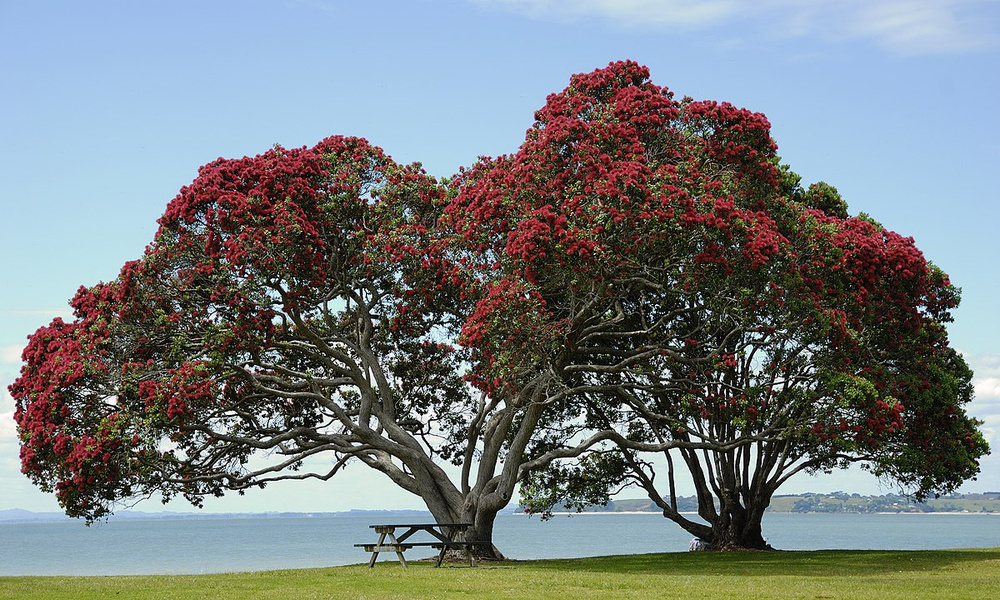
(444, 535)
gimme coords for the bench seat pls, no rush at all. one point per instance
(390, 547)
(399, 545)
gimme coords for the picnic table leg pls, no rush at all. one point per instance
(445, 534)
(468, 549)
(399, 551)
(371, 562)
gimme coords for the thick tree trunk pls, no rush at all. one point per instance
(727, 532)
(479, 503)
(467, 508)
(738, 533)
(482, 532)
(730, 526)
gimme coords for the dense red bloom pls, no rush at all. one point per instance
(685, 284)
(641, 275)
(275, 287)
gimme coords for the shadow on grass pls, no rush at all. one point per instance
(821, 563)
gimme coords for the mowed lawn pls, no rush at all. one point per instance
(910, 575)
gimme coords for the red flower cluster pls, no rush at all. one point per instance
(330, 299)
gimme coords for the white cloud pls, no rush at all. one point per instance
(320, 5)
(919, 27)
(986, 408)
(48, 313)
(11, 354)
(986, 405)
(629, 12)
(988, 388)
(987, 385)
(6, 407)
(907, 27)
(10, 362)
(8, 428)
(984, 365)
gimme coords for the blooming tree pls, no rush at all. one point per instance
(697, 305)
(639, 280)
(297, 311)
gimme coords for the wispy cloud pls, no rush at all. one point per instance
(988, 388)
(45, 313)
(986, 405)
(905, 27)
(682, 13)
(10, 354)
(984, 365)
(8, 429)
(37, 312)
(321, 5)
(922, 26)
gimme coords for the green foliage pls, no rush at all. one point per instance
(823, 196)
(588, 483)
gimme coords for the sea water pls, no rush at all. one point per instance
(206, 545)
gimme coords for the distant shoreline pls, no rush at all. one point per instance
(986, 503)
(597, 512)
(782, 512)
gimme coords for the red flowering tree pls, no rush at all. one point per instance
(296, 305)
(639, 278)
(693, 311)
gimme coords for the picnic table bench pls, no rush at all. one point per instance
(444, 535)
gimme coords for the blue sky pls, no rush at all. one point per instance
(109, 107)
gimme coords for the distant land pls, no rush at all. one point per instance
(21, 515)
(839, 502)
(835, 502)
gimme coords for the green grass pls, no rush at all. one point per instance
(914, 575)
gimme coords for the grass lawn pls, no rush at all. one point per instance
(913, 575)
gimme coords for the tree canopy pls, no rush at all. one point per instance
(279, 309)
(736, 323)
(641, 284)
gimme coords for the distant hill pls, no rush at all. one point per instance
(841, 502)
(20, 515)
(836, 502)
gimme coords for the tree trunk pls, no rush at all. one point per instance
(728, 532)
(482, 532)
(730, 526)
(738, 533)
(469, 509)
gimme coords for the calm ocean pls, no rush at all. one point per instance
(259, 543)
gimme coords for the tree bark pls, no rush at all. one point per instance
(470, 509)
(732, 521)
(482, 531)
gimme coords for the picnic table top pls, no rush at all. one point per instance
(443, 532)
